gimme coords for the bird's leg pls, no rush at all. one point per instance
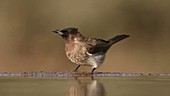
(93, 70)
(75, 70)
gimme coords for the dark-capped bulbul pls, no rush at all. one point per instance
(85, 51)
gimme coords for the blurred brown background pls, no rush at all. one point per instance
(27, 43)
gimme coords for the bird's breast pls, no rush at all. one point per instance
(76, 53)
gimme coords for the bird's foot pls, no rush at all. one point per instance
(75, 70)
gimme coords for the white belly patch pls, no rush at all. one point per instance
(96, 60)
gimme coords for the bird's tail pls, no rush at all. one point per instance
(117, 38)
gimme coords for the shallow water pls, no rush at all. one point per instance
(84, 86)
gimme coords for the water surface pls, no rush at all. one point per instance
(84, 86)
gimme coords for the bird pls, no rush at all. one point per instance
(85, 51)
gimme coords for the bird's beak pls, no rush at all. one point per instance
(58, 31)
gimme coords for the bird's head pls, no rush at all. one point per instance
(68, 33)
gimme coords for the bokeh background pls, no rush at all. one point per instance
(27, 43)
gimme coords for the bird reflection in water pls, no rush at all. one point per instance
(93, 88)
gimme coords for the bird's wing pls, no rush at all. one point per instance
(98, 45)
